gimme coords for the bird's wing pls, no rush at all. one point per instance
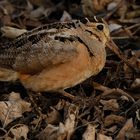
(33, 56)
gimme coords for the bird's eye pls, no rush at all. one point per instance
(100, 27)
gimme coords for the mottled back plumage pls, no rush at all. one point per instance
(58, 55)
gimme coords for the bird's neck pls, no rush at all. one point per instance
(98, 60)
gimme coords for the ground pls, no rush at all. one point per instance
(106, 106)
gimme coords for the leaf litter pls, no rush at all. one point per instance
(108, 105)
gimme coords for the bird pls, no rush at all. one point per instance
(57, 56)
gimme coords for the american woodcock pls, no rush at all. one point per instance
(57, 56)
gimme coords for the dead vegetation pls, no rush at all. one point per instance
(107, 106)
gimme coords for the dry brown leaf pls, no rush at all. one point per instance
(112, 129)
(70, 120)
(111, 5)
(8, 75)
(12, 109)
(37, 12)
(133, 133)
(134, 61)
(60, 105)
(103, 137)
(53, 133)
(128, 125)
(89, 134)
(136, 84)
(7, 8)
(19, 132)
(53, 117)
(91, 7)
(110, 105)
(63, 131)
(12, 32)
(122, 10)
(113, 119)
(49, 10)
(133, 14)
(37, 2)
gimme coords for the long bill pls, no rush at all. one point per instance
(112, 46)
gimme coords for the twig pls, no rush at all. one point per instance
(133, 26)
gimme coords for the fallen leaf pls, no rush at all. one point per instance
(113, 119)
(19, 131)
(110, 105)
(12, 32)
(103, 137)
(89, 134)
(12, 109)
(127, 126)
